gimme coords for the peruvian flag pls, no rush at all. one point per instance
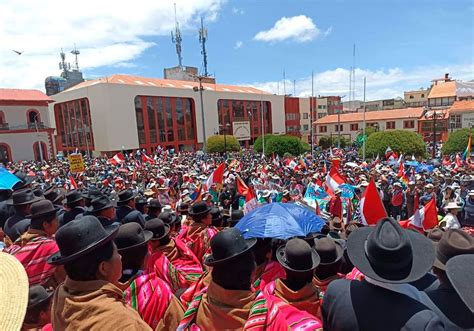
(336, 163)
(72, 182)
(117, 159)
(290, 163)
(334, 179)
(248, 193)
(146, 158)
(371, 206)
(425, 218)
(217, 177)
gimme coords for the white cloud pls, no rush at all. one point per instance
(237, 11)
(299, 28)
(381, 84)
(106, 32)
(238, 44)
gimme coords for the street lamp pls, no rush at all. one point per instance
(35, 119)
(224, 128)
(200, 89)
(435, 115)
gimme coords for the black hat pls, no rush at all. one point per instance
(25, 180)
(154, 203)
(23, 197)
(183, 208)
(140, 200)
(131, 235)
(459, 270)
(199, 208)
(91, 193)
(227, 245)
(125, 196)
(48, 189)
(297, 255)
(79, 237)
(216, 214)
(37, 294)
(168, 217)
(100, 203)
(454, 242)
(72, 197)
(41, 208)
(158, 228)
(390, 254)
(236, 215)
(134, 216)
(329, 250)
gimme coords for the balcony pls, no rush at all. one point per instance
(33, 125)
(4, 126)
(27, 126)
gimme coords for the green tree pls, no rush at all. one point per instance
(280, 145)
(216, 144)
(457, 141)
(326, 141)
(257, 145)
(368, 131)
(406, 142)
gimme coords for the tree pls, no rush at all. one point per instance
(257, 145)
(280, 145)
(368, 131)
(406, 142)
(326, 141)
(216, 144)
(457, 141)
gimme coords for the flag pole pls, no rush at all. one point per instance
(363, 126)
(311, 115)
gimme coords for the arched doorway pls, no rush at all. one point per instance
(5, 153)
(44, 151)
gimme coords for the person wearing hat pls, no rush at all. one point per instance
(75, 206)
(412, 193)
(165, 251)
(299, 260)
(134, 216)
(125, 204)
(397, 200)
(451, 219)
(102, 208)
(335, 204)
(149, 295)
(198, 235)
(330, 253)
(18, 223)
(163, 195)
(89, 298)
(468, 219)
(140, 204)
(38, 312)
(153, 209)
(235, 217)
(38, 243)
(216, 217)
(226, 303)
(390, 257)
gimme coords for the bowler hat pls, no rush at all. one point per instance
(131, 235)
(72, 197)
(297, 255)
(199, 208)
(453, 242)
(183, 208)
(25, 180)
(329, 250)
(236, 215)
(37, 294)
(459, 270)
(390, 254)
(41, 208)
(100, 203)
(23, 197)
(228, 245)
(154, 203)
(168, 217)
(158, 228)
(91, 193)
(125, 196)
(140, 200)
(79, 237)
(216, 214)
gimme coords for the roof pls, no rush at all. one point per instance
(441, 90)
(380, 115)
(167, 83)
(462, 106)
(7, 94)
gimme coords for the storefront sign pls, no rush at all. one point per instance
(241, 130)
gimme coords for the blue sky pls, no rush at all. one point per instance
(399, 44)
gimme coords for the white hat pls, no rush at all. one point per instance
(397, 184)
(471, 193)
(452, 205)
(411, 182)
(364, 184)
(429, 185)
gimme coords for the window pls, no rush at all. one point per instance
(354, 127)
(323, 128)
(455, 122)
(412, 97)
(422, 95)
(408, 124)
(339, 127)
(320, 115)
(250, 110)
(305, 116)
(305, 127)
(390, 125)
(33, 116)
(320, 107)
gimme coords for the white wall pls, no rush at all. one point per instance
(16, 116)
(21, 144)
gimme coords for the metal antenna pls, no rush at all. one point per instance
(176, 38)
(202, 41)
(63, 65)
(76, 62)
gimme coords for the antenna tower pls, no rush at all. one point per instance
(176, 39)
(76, 62)
(63, 65)
(202, 41)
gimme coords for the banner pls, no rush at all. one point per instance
(76, 163)
(241, 130)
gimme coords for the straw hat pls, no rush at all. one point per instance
(14, 289)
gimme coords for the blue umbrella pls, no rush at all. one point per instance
(279, 220)
(412, 163)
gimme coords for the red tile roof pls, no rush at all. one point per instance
(441, 90)
(462, 107)
(7, 94)
(403, 113)
(168, 83)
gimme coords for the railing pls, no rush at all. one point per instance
(4, 126)
(28, 126)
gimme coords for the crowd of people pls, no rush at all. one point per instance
(151, 243)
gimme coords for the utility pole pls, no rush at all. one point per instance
(311, 109)
(40, 147)
(201, 97)
(363, 127)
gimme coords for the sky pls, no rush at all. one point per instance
(400, 45)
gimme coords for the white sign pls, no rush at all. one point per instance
(241, 130)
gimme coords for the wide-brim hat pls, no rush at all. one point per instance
(228, 245)
(298, 256)
(22, 197)
(72, 197)
(100, 203)
(330, 251)
(14, 289)
(452, 205)
(390, 254)
(459, 270)
(88, 229)
(453, 242)
(199, 208)
(126, 195)
(130, 236)
(42, 208)
(25, 180)
(158, 228)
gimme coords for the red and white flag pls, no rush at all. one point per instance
(334, 179)
(217, 176)
(425, 218)
(248, 193)
(117, 159)
(290, 163)
(72, 182)
(146, 158)
(371, 206)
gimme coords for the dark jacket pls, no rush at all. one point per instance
(70, 215)
(16, 225)
(121, 212)
(353, 305)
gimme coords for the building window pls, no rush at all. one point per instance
(5, 153)
(320, 115)
(305, 116)
(323, 128)
(390, 125)
(455, 122)
(422, 95)
(412, 97)
(305, 127)
(354, 127)
(339, 127)
(33, 117)
(36, 151)
(408, 124)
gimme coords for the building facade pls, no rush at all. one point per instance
(293, 116)
(124, 112)
(25, 130)
(306, 105)
(461, 115)
(416, 98)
